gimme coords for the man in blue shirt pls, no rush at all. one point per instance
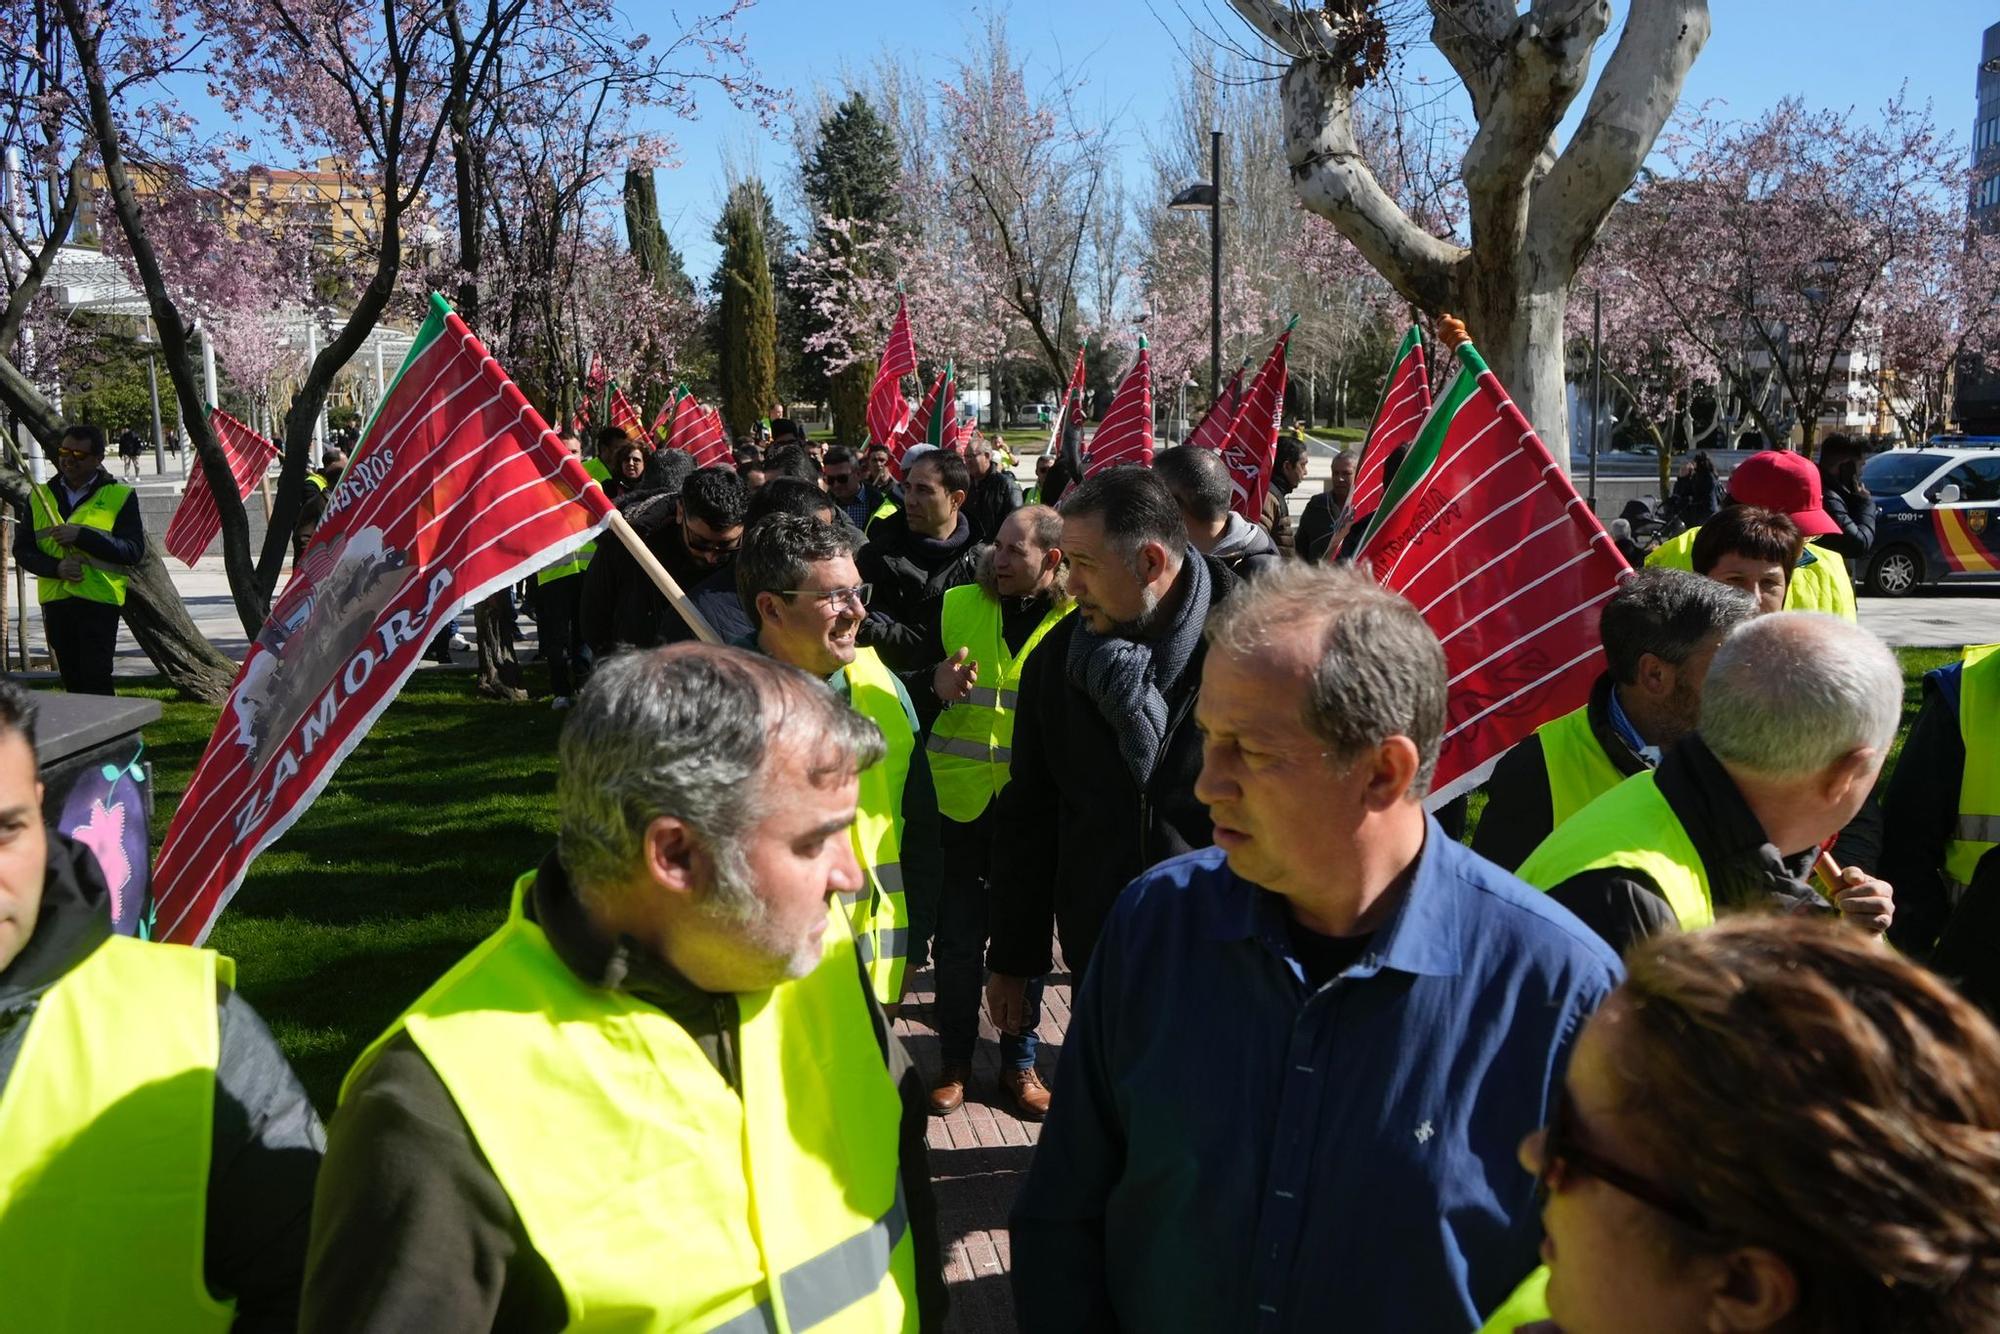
(1382, 1015)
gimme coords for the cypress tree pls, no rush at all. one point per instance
(747, 351)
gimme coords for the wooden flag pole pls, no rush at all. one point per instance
(665, 582)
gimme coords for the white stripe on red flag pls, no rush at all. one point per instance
(888, 410)
(1406, 401)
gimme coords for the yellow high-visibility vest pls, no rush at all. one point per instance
(579, 560)
(880, 911)
(1978, 826)
(1528, 1304)
(100, 583)
(1820, 582)
(1630, 826)
(971, 743)
(660, 1198)
(1579, 770)
(106, 1129)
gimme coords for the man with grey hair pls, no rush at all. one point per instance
(660, 1094)
(1660, 629)
(1333, 930)
(1797, 715)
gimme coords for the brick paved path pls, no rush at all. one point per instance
(979, 1155)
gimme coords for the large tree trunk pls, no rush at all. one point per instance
(499, 668)
(849, 396)
(159, 620)
(1519, 332)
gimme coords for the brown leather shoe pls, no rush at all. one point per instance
(1030, 1094)
(948, 1093)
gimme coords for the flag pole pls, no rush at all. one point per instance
(666, 583)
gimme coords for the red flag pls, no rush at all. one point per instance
(1406, 400)
(1126, 433)
(458, 489)
(626, 417)
(196, 520)
(663, 425)
(1212, 432)
(888, 410)
(698, 431)
(1252, 447)
(1072, 402)
(1483, 532)
(934, 420)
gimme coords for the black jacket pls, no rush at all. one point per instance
(1072, 828)
(1920, 809)
(910, 573)
(993, 498)
(412, 1231)
(1316, 531)
(621, 608)
(1519, 812)
(125, 544)
(1856, 512)
(1625, 906)
(266, 1144)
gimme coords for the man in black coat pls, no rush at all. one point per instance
(994, 493)
(914, 555)
(692, 534)
(1105, 748)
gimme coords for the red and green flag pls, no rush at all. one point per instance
(1484, 533)
(933, 424)
(698, 431)
(1251, 450)
(888, 410)
(1406, 401)
(626, 417)
(1212, 431)
(1126, 433)
(1072, 402)
(457, 489)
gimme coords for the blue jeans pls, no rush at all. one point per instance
(960, 951)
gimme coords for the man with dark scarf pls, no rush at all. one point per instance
(1105, 747)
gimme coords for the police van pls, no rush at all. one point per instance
(1940, 514)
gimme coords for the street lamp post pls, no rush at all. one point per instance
(1208, 194)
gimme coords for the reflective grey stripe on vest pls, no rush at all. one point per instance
(969, 750)
(889, 875)
(1978, 828)
(896, 941)
(818, 1289)
(988, 697)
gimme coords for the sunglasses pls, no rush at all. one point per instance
(76, 453)
(1564, 1160)
(701, 546)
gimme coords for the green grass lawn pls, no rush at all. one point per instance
(406, 859)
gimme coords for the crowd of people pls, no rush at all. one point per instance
(1691, 1036)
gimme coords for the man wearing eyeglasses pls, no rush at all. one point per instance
(1300, 1061)
(798, 583)
(81, 540)
(693, 535)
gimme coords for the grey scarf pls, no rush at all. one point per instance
(1129, 679)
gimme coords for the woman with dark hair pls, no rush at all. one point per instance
(1751, 549)
(1697, 492)
(1775, 1125)
(1845, 497)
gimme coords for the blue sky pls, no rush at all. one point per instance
(1831, 52)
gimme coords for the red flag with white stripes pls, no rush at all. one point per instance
(888, 410)
(196, 520)
(698, 431)
(1126, 433)
(625, 416)
(459, 488)
(1251, 450)
(1072, 403)
(1406, 401)
(1212, 431)
(1484, 533)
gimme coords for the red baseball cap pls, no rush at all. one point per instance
(1786, 482)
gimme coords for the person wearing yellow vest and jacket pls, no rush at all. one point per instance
(1659, 630)
(659, 1097)
(1797, 715)
(986, 631)
(1943, 815)
(559, 603)
(1788, 483)
(80, 539)
(157, 1155)
(796, 579)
